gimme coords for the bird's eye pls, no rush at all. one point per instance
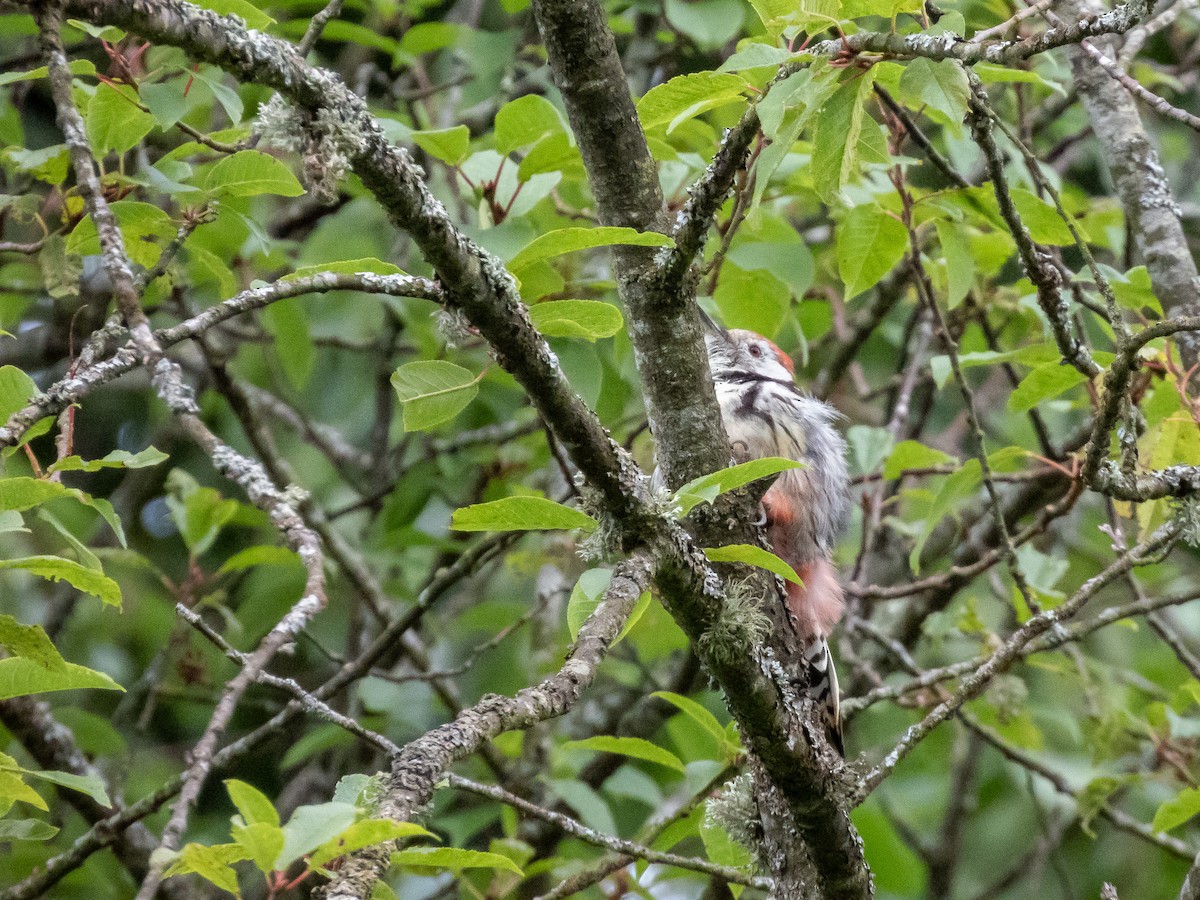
(756, 351)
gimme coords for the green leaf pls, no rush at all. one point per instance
(869, 446)
(430, 36)
(248, 173)
(941, 86)
(687, 96)
(83, 579)
(253, 805)
(955, 488)
(753, 556)
(247, 12)
(365, 833)
(20, 677)
(213, 79)
(12, 521)
(321, 738)
(30, 642)
(587, 596)
(914, 455)
(84, 784)
(351, 788)
(990, 73)
(787, 109)
(199, 513)
(960, 264)
(570, 240)
(13, 789)
(711, 24)
(1094, 796)
(1033, 355)
(587, 319)
(451, 145)
(77, 67)
(707, 488)
(115, 123)
(888, 9)
(775, 15)
(253, 557)
(294, 347)
(791, 263)
(311, 826)
(353, 33)
(553, 153)
(454, 859)
(82, 553)
(721, 848)
(433, 392)
(346, 267)
(835, 145)
(144, 227)
(696, 712)
(1043, 383)
(525, 121)
(48, 164)
(117, 459)
(166, 101)
(756, 299)
(869, 244)
(22, 493)
(803, 15)
(1045, 225)
(519, 514)
(16, 390)
(1178, 810)
(26, 830)
(262, 842)
(61, 270)
(629, 746)
(1133, 289)
(211, 863)
(755, 55)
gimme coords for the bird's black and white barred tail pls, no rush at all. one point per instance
(822, 687)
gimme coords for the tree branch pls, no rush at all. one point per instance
(423, 762)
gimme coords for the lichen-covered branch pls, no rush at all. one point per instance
(53, 746)
(168, 380)
(666, 332)
(86, 377)
(1154, 218)
(423, 762)
(473, 280)
(950, 46)
(975, 683)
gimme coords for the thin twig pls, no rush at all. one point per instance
(1008, 652)
(608, 842)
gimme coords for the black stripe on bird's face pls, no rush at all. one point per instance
(735, 376)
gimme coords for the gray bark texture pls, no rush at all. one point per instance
(668, 339)
(1141, 184)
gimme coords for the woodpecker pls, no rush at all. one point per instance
(766, 414)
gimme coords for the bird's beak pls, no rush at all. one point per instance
(711, 327)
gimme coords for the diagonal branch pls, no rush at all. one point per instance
(53, 746)
(85, 378)
(168, 380)
(609, 842)
(1011, 650)
(1153, 217)
(423, 762)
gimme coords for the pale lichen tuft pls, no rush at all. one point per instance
(741, 624)
(735, 810)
